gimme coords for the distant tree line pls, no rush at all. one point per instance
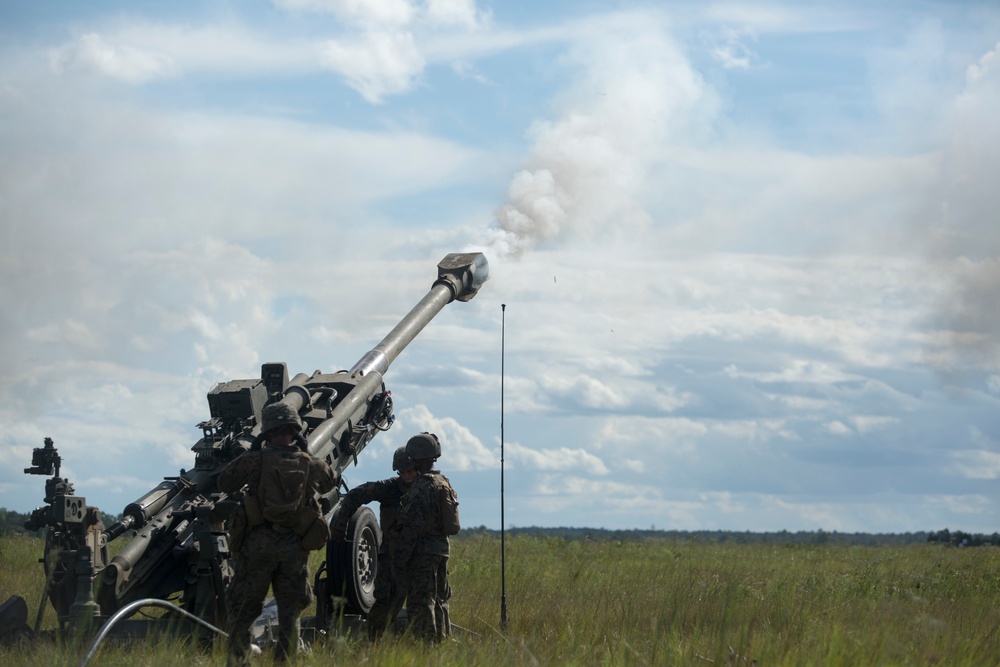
(817, 537)
(959, 539)
(13, 522)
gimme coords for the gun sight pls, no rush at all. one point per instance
(45, 460)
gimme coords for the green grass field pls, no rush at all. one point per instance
(649, 603)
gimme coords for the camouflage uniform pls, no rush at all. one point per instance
(271, 555)
(388, 493)
(420, 561)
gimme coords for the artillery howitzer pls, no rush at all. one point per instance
(180, 549)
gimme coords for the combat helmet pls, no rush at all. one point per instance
(401, 461)
(423, 446)
(279, 414)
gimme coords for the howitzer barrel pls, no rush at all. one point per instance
(460, 275)
(142, 510)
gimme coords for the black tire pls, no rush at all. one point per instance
(353, 564)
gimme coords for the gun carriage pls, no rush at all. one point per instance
(178, 546)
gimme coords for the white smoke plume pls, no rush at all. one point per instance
(636, 96)
(966, 239)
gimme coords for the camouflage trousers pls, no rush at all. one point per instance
(270, 557)
(387, 602)
(427, 597)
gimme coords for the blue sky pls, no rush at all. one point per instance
(749, 251)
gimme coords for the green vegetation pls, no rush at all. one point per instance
(652, 602)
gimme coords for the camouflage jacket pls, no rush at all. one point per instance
(388, 493)
(246, 470)
(415, 529)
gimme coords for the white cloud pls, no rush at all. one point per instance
(392, 12)
(377, 64)
(725, 502)
(781, 19)
(862, 424)
(798, 370)
(223, 48)
(960, 503)
(380, 12)
(821, 515)
(666, 443)
(460, 448)
(728, 47)
(587, 391)
(91, 53)
(987, 64)
(838, 427)
(670, 435)
(977, 464)
(869, 423)
(453, 12)
(631, 465)
(562, 458)
(385, 56)
(68, 331)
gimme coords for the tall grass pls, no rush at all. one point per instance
(653, 603)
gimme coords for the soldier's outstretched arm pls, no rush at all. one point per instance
(383, 491)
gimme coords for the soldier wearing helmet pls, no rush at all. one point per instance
(277, 524)
(388, 493)
(420, 564)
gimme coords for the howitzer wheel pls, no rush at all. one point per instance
(353, 563)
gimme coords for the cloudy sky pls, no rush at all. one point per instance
(750, 252)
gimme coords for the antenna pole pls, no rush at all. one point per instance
(503, 544)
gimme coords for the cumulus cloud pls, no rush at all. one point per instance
(377, 64)
(985, 67)
(459, 446)
(561, 458)
(386, 54)
(610, 393)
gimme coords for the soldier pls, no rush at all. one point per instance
(388, 493)
(429, 514)
(283, 522)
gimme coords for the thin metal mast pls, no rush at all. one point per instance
(503, 545)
